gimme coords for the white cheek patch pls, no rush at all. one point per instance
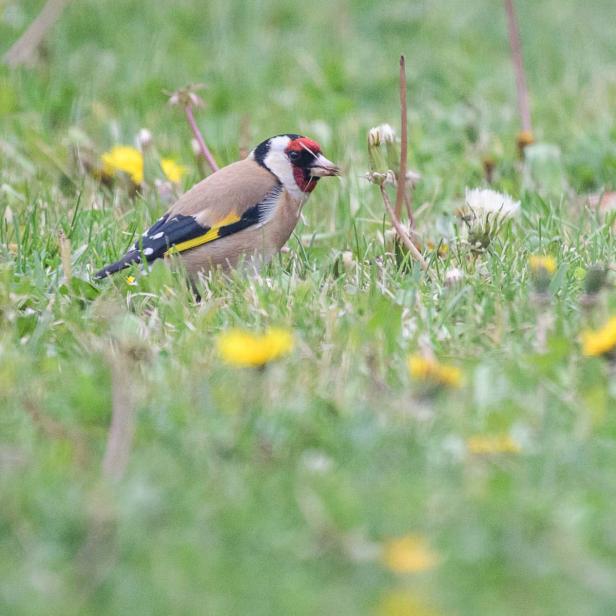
(280, 166)
(278, 163)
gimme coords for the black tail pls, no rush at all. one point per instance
(132, 256)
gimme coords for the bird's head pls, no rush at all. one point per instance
(296, 161)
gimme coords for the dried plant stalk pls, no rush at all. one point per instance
(400, 193)
(518, 65)
(65, 256)
(122, 428)
(24, 50)
(205, 151)
(401, 231)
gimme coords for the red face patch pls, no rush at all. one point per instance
(303, 143)
(303, 180)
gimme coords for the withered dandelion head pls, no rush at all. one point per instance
(409, 554)
(600, 342)
(524, 139)
(241, 348)
(492, 444)
(124, 159)
(595, 279)
(434, 372)
(187, 97)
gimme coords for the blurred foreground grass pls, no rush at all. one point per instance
(287, 491)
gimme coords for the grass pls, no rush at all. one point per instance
(273, 492)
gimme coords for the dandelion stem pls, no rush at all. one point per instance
(518, 65)
(199, 137)
(400, 230)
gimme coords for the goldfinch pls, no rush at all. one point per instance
(245, 210)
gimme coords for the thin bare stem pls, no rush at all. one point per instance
(199, 137)
(65, 256)
(403, 140)
(122, 428)
(401, 231)
(408, 201)
(24, 50)
(518, 65)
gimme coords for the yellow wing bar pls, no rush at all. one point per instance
(208, 236)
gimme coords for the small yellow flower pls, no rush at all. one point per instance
(130, 280)
(492, 444)
(124, 159)
(409, 554)
(601, 341)
(539, 264)
(425, 369)
(173, 171)
(242, 348)
(400, 602)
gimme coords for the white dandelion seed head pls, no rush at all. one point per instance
(484, 202)
(144, 139)
(453, 277)
(196, 148)
(383, 133)
(413, 177)
(347, 260)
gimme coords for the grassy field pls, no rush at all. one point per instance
(331, 482)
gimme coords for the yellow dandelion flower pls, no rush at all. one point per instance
(486, 445)
(241, 348)
(124, 159)
(409, 554)
(131, 281)
(425, 369)
(173, 171)
(400, 602)
(601, 341)
(539, 264)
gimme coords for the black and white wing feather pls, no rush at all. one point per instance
(178, 233)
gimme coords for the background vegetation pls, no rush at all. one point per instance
(276, 491)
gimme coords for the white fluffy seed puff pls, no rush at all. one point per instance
(484, 214)
(485, 203)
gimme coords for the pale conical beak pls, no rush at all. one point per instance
(322, 167)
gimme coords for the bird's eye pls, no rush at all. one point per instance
(293, 156)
